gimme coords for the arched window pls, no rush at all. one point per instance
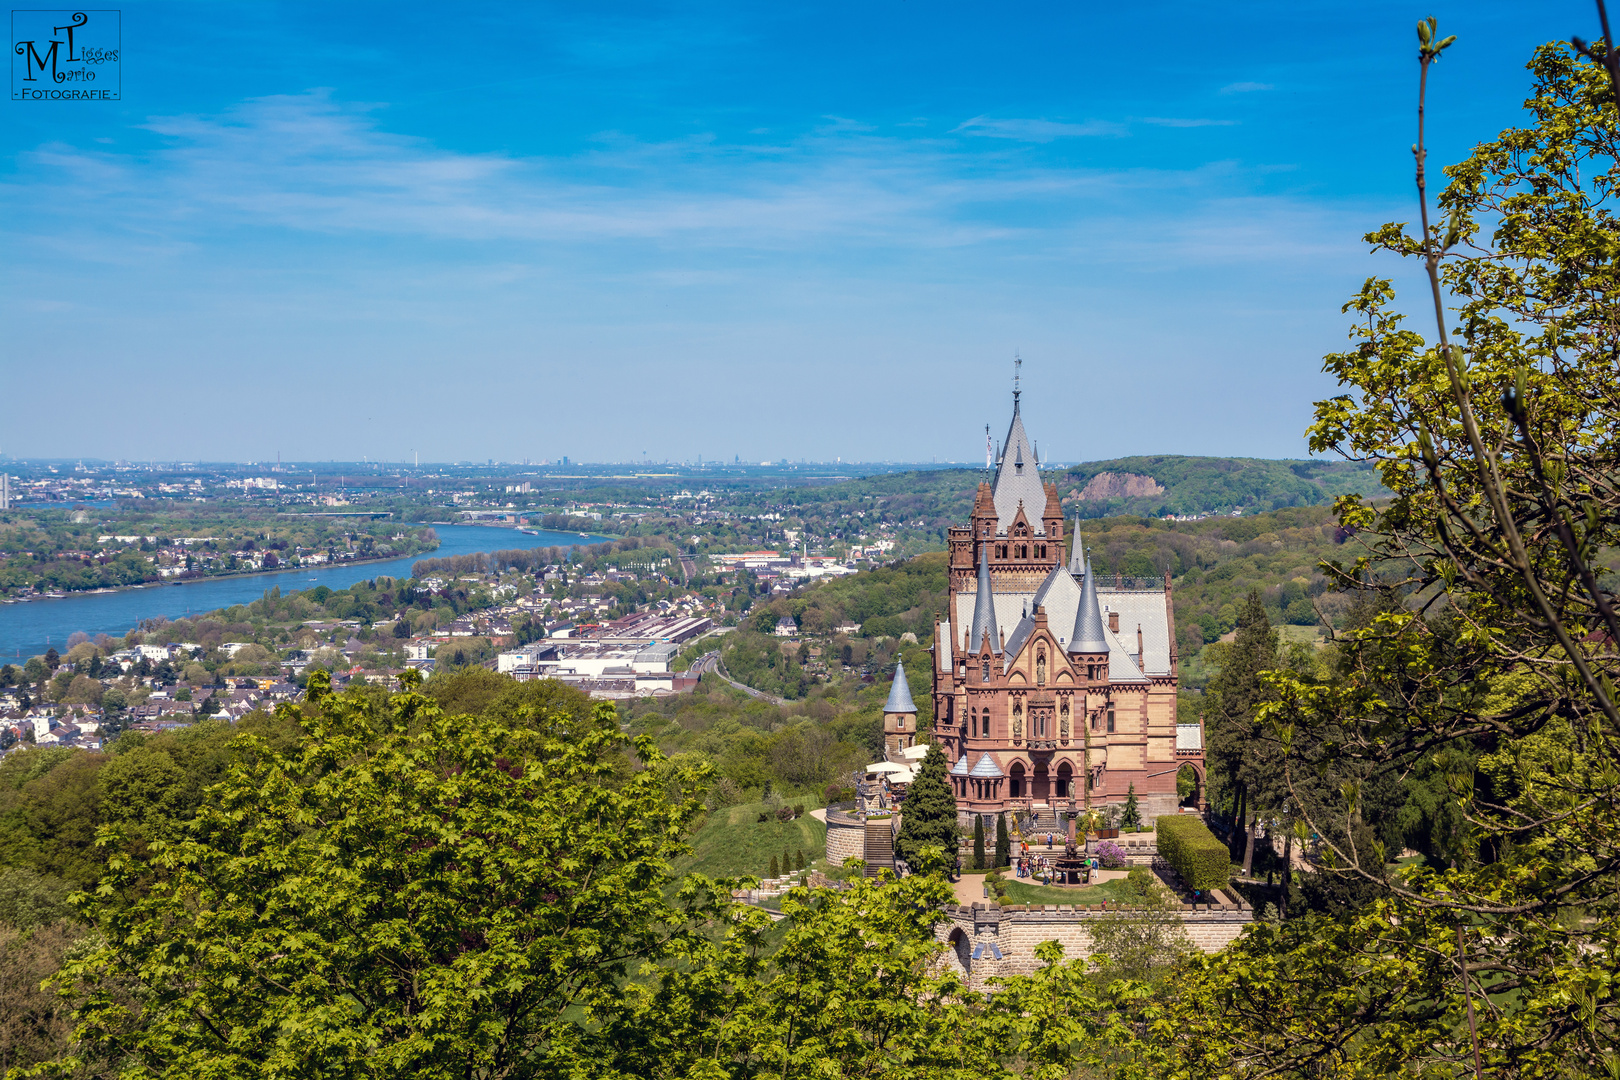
(1110, 717)
(1040, 668)
(984, 671)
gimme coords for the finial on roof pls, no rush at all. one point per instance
(1077, 551)
(1018, 366)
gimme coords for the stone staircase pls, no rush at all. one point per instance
(1043, 819)
(879, 851)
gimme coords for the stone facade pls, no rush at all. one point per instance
(1054, 688)
(1015, 931)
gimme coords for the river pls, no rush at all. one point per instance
(29, 629)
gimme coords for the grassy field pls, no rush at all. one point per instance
(733, 841)
(1117, 891)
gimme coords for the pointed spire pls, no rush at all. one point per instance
(1077, 552)
(984, 607)
(1088, 634)
(900, 693)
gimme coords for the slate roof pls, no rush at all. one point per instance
(1018, 480)
(984, 608)
(1087, 635)
(899, 693)
(986, 769)
(961, 766)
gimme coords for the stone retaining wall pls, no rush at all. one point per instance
(846, 838)
(1017, 930)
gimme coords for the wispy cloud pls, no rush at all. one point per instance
(1038, 131)
(1246, 87)
(1181, 122)
(307, 164)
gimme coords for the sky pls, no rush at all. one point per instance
(819, 231)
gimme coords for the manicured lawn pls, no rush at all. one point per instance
(1021, 892)
(733, 841)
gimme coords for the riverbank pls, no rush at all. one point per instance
(202, 578)
(29, 629)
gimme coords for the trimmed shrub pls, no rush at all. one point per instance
(1187, 845)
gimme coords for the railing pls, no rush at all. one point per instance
(1121, 583)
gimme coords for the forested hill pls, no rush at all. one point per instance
(1173, 484)
(922, 505)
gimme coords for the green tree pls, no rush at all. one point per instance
(930, 812)
(1142, 940)
(775, 870)
(1131, 818)
(1003, 841)
(1240, 751)
(404, 892)
(978, 841)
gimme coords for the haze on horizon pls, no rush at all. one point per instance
(363, 231)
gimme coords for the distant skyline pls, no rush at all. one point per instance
(359, 230)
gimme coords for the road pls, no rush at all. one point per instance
(709, 664)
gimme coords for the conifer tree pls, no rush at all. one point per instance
(978, 841)
(930, 811)
(1132, 817)
(775, 872)
(1237, 752)
(787, 863)
(1003, 841)
(798, 859)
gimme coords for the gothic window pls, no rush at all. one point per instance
(1040, 551)
(1110, 718)
(1040, 668)
(984, 671)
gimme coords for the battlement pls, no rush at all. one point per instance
(985, 941)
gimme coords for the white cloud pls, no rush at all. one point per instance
(1176, 122)
(1037, 131)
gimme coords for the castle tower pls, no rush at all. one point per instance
(899, 714)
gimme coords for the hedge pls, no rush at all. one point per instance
(1187, 845)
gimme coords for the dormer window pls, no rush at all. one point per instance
(984, 671)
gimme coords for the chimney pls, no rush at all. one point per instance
(1139, 643)
(1113, 621)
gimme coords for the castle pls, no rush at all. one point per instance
(1054, 688)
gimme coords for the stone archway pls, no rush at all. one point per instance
(1065, 780)
(1040, 787)
(961, 950)
(1195, 771)
(1018, 781)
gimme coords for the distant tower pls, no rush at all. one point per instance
(5, 491)
(899, 714)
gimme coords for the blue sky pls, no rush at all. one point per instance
(523, 231)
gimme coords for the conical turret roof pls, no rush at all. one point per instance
(899, 693)
(1077, 552)
(984, 607)
(1088, 636)
(1018, 475)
